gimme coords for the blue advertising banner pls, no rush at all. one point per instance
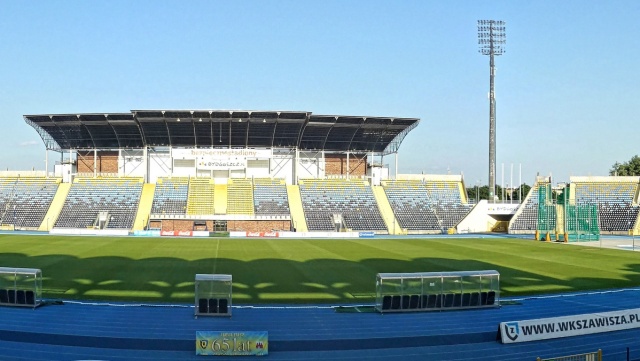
(153, 233)
(232, 343)
(366, 234)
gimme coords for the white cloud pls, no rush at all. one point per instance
(29, 143)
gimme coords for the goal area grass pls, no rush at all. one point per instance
(325, 271)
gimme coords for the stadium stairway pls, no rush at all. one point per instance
(56, 207)
(144, 208)
(386, 211)
(463, 193)
(527, 199)
(200, 197)
(560, 219)
(295, 207)
(220, 198)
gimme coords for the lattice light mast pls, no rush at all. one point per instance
(491, 41)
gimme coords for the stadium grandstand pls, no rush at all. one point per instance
(585, 206)
(266, 171)
(220, 170)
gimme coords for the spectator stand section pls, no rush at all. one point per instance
(582, 210)
(525, 221)
(101, 203)
(270, 197)
(20, 287)
(340, 205)
(213, 295)
(448, 201)
(24, 201)
(240, 196)
(615, 198)
(410, 204)
(426, 204)
(437, 291)
(170, 196)
(187, 204)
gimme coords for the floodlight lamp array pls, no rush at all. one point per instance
(492, 37)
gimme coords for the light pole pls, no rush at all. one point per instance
(491, 41)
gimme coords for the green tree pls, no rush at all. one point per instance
(628, 168)
(525, 190)
(483, 193)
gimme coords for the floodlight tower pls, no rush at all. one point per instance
(491, 41)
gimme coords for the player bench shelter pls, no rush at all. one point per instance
(436, 291)
(213, 295)
(20, 287)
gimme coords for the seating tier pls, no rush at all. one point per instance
(90, 196)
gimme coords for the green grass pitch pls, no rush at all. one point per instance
(301, 271)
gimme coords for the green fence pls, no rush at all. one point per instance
(546, 209)
(581, 222)
(578, 222)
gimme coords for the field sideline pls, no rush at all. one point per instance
(301, 271)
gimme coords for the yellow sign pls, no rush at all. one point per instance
(235, 343)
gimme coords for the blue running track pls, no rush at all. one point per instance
(97, 331)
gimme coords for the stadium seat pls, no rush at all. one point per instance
(29, 297)
(426, 206)
(483, 298)
(88, 197)
(614, 200)
(28, 197)
(223, 306)
(270, 197)
(491, 298)
(438, 301)
(527, 219)
(170, 196)
(430, 301)
(475, 299)
(448, 300)
(466, 298)
(213, 305)
(405, 301)
(353, 199)
(395, 302)
(240, 197)
(414, 302)
(424, 301)
(386, 302)
(20, 297)
(4, 296)
(12, 296)
(457, 300)
(202, 305)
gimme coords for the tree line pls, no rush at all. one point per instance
(628, 168)
(482, 192)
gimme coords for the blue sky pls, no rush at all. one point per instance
(568, 94)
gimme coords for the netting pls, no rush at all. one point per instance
(582, 222)
(546, 209)
(564, 218)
